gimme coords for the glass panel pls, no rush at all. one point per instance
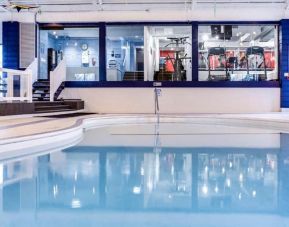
(168, 52)
(78, 46)
(125, 53)
(238, 52)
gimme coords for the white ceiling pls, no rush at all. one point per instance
(146, 10)
(146, 5)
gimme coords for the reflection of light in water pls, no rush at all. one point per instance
(74, 190)
(262, 170)
(216, 189)
(136, 190)
(150, 185)
(93, 190)
(75, 203)
(223, 170)
(228, 183)
(254, 193)
(240, 196)
(241, 177)
(55, 190)
(205, 189)
(142, 171)
(75, 176)
(170, 196)
(230, 164)
(206, 169)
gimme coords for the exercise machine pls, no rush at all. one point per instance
(179, 73)
(220, 52)
(256, 51)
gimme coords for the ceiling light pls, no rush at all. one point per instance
(205, 37)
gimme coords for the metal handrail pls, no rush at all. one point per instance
(157, 107)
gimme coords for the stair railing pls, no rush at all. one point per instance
(34, 69)
(25, 85)
(56, 78)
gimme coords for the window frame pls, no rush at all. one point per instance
(178, 84)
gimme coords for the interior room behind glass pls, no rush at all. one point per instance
(238, 52)
(149, 53)
(78, 47)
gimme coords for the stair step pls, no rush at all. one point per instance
(41, 93)
(52, 107)
(41, 99)
(47, 103)
(51, 111)
(40, 84)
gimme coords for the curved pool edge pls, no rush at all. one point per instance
(69, 136)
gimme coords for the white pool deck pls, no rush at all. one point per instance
(30, 131)
(28, 125)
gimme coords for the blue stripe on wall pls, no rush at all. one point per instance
(11, 45)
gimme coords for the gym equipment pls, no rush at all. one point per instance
(232, 63)
(179, 73)
(221, 52)
(256, 51)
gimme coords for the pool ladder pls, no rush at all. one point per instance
(157, 94)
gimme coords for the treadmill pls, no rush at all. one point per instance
(221, 52)
(257, 51)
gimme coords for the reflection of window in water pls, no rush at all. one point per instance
(237, 180)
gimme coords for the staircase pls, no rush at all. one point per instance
(41, 90)
(41, 99)
(47, 107)
(133, 76)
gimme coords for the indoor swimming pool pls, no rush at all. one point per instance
(152, 174)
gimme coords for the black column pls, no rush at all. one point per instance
(195, 52)
(102, 52)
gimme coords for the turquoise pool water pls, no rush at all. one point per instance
(153, 175)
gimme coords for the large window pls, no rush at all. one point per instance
(238, 52)
(168, 52)
(149, 53)
(125, 53)
(77, 47)
(160, 52)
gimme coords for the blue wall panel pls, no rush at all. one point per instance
(11, 45)
(284, 64)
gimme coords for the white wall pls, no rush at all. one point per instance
(178, 100)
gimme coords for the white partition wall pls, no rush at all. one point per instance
(176, 100)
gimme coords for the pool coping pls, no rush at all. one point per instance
(70, 136)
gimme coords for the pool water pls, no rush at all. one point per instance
(153, 175)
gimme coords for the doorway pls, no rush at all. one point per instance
(139, 59)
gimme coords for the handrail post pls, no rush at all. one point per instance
(10, 85)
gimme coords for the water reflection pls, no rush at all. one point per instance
(191, 180)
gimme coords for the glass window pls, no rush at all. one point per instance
(238, 52)
(168, 53)
(125, 53)
(78, 47)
